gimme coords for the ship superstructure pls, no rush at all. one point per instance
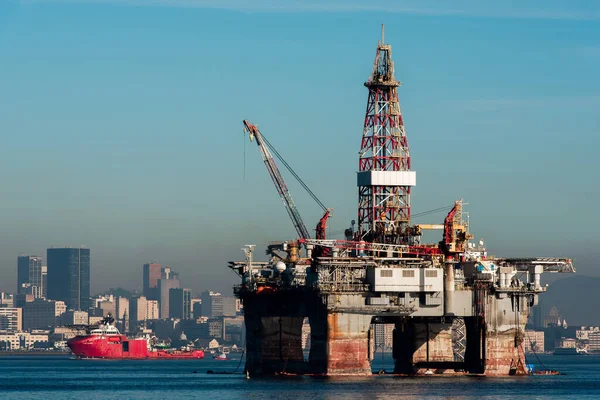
(454, 308)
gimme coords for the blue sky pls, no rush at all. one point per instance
(121, 124)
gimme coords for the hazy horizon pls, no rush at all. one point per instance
(123, 125)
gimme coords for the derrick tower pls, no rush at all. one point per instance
(384, 177)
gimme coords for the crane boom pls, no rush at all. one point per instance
(282, 189)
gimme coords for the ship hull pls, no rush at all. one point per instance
(122, 348)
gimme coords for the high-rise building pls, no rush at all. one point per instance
(45, 281)
(212, 304)
(29, 275)
(138, 309)
(11, 319)
(164, 286)
(152, 310)
(230, 306)
(122, 308)
(180, 303)
(168, 273)
(69, 276)
(196, 307)
(152, 273)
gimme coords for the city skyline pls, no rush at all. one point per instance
(29, 282)
(126, 152)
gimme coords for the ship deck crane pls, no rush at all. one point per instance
(264, 146)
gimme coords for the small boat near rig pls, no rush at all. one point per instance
(454, 308)
(104, 341)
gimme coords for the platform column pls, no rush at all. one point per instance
(348, 344)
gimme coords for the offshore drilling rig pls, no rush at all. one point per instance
(455, 309)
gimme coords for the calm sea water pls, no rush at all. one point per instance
(58, 377)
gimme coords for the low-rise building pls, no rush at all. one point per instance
(62, 333)
(95, 320)
(11, 319)
(108, 307)
(42, 314)
(566, 343)
(75, 318)
(21, 340)
(594, 341)
(23, 298)
(534, 341)
(216, 328)
(6, 300)
(583, 332)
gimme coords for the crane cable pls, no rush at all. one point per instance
(294, 174)
(244, 172)
(316, 199)
(435, 210)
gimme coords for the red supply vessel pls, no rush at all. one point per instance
(105, 341)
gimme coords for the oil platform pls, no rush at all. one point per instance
(455, 309)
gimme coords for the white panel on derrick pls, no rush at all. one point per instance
(386, 178)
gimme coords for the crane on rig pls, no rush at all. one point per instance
(264, 146)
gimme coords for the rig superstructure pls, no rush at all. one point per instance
(384, 178)
(456, 310)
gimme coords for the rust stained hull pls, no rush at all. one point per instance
(348, 345)
(502, 357)
(348, 357)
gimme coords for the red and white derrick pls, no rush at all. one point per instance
(384, 178)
